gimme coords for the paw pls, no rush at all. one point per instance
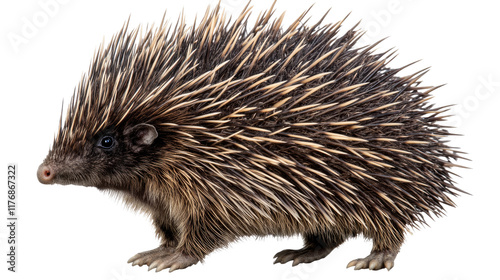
(375, 261)
(163, 257)
(304, 255)
(147, 257)
(173, 261)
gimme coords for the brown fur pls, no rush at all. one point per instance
(267, 130)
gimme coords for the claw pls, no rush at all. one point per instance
(389, 264)
(361, 264)
(374, 265)
(352, 263)
(134, 258)
(174, 267)
(154, 264)
(162, 266)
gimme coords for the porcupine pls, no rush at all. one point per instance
(222, 130)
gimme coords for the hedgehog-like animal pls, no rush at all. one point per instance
(224, 130)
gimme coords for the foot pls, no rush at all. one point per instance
(163, 257)
(375, 261)
(304, 255)
(147, 257)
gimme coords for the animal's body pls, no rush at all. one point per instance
(221, 131)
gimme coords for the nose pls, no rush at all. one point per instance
(45, 174)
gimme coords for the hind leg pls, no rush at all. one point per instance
(384, 251)
(315, 247)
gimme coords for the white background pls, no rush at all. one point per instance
(72, 232)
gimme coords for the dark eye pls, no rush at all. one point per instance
(107, 142)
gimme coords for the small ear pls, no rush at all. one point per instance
(141, 135)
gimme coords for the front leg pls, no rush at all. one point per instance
(196, 237)
(199, 235)
(167, 233)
